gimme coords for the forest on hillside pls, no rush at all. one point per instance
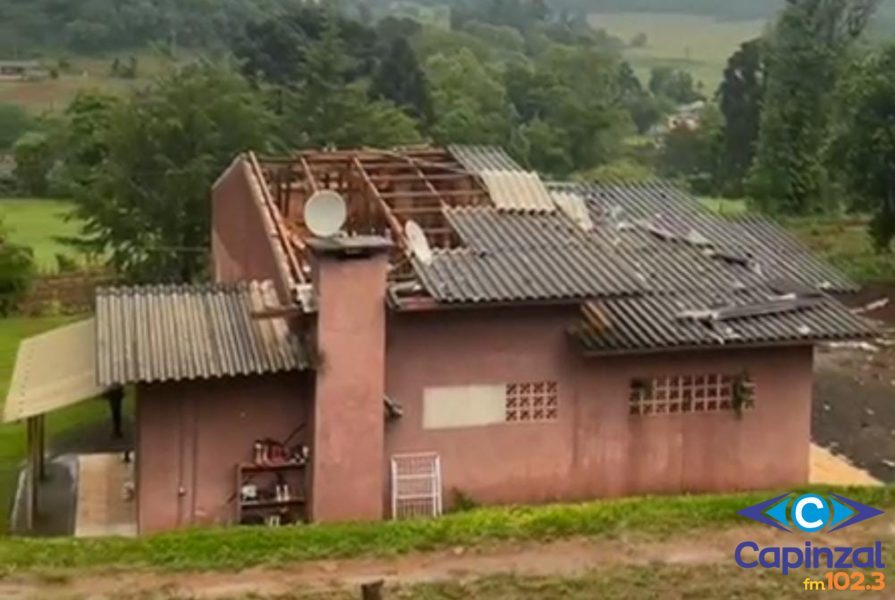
(800, 123)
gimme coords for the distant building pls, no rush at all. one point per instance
(21, 70)
(687, 115)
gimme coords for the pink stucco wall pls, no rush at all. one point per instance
(595, 448)
(242, 234)
(349, 424)
(191, 435)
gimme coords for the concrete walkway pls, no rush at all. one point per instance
(826, 468)
(102, 507)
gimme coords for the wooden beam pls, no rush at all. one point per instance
(433, 193)
(412, 178)
(278, 312)
(294, 266)
(418, 210)
(393, 223)
(309, 174)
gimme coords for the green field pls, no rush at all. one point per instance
(83, 74)
(37, 223)
(698, 44)
(847, 245)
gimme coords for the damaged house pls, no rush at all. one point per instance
(448, 323)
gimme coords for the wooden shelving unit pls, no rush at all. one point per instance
(248, 472)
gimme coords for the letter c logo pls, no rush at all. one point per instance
(810, 512)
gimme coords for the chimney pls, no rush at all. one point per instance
(347, 465)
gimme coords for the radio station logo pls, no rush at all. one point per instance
(807, 514)
(810, 512)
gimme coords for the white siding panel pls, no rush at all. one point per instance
(463, 406)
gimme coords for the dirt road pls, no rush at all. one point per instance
(562, 558)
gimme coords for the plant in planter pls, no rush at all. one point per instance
(742, 393)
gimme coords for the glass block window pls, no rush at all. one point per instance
(532, 402)
(676, 394)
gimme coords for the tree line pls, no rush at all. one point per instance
(789, 126)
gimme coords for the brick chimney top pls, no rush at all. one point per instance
(353, 246)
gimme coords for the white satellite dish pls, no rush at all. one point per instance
(417, 241)
(325, 213)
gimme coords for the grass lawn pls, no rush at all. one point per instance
(12, 436)
(698, 44)
(242, 547)
(724, 207)
(846, 244)
(37, 222)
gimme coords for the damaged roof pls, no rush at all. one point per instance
(645, 255)
(658, 323)
(488, 231)
(178, 332)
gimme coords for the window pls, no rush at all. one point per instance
(532, 402)
(691, 394)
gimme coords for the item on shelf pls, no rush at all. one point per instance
(258, 453)
(300, 455)
(249, 493)
(282, 492)
(272, 520)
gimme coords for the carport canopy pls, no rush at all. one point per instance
(53, 370)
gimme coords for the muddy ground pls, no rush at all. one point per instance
(854, 392)
(561, 558)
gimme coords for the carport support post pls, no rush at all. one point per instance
(41, 448)
(31, 475)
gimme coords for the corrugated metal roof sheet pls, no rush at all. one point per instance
(177, 332)
(517, 191)
(778, 252)
(652, 322)
(652, 252)
(574, 207)
(481, 158)
(511, 187)
(522, 257)
(53, 370)
(784, 256)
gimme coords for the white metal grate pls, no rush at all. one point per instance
(416, 485)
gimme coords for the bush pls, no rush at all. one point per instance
(34, 159)
(16, 271)
(14, 122)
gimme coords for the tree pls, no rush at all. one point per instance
(646, 110)
(469, 99)
(865, 145)
(579, 89)
(804, 57)
(147, 205)
(83, 140)
(34, 157)
(740, 98)
(675, 84)
(400, 79)
(692, 153)
(639, 41)
(14, 122)
(324, 110)
(275, 50)
(16, 272)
